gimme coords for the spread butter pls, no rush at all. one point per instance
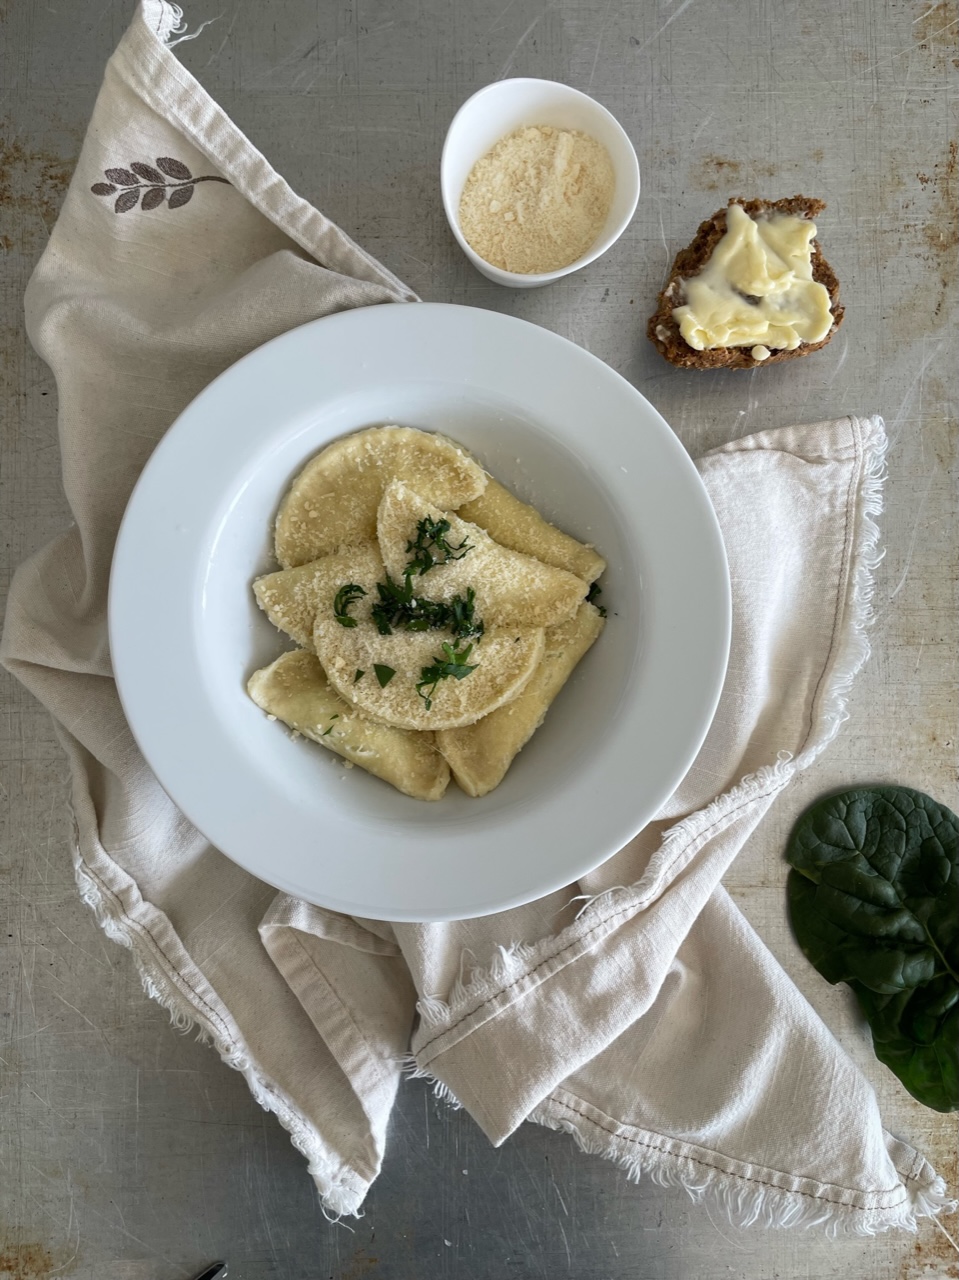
(757, 289)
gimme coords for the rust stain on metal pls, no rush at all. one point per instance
(32, 186)
(930, 1259)
(932, 235)
(32, 1261)
(933, 1256)
(941, 232)
(936, 32)
(360, 1265)
(716, 173)
(715, 170)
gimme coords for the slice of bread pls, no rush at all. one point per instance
(663, 331)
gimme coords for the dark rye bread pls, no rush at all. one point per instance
(663, 331)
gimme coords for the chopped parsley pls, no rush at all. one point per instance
(383, 673)
(431, 546)
(344, 600)
(399, 607)
(334, 716)
(452, 664)
(360, 673)
(395, 605)
(462, 623)
(591, 597)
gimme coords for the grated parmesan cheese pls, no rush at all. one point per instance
(538, 199)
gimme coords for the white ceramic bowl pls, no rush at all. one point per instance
(507, 105)
(565, 432)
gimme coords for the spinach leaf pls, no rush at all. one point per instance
(874, 902)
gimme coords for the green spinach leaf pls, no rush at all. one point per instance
(874, 902)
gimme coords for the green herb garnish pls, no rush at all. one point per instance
(344, 600)
(360, 673)
(399, 607)
(431, 547)
(591, 597)
(383, 673)
(334, 716)
(462, 623)
(393, 605)
(453, 663)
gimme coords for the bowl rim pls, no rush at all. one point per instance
(191, 545)
(599, 246)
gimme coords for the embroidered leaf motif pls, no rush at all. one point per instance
(171, 176)
(174, 169)
(180, 196)
(147, 172)
(127, 200)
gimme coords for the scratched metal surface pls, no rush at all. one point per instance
(128, 1152)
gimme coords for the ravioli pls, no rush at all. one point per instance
(520, 527)
(504, 661)
(333, 501)
(291, 598)
(511, 589)
(295, 689)
(437, 616)
(481, 753)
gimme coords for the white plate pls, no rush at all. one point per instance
(550, 421)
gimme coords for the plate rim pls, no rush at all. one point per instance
(171, 441)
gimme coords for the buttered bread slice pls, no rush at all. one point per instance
(752, 289)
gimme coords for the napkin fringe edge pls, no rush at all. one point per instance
(336, 1198)
(744, 1201)
(441, 1090)
(748, 1204)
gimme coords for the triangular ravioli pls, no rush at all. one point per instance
(511, 589)
(291, 598)
(520, 527)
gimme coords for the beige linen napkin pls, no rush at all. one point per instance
(636, 1010)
